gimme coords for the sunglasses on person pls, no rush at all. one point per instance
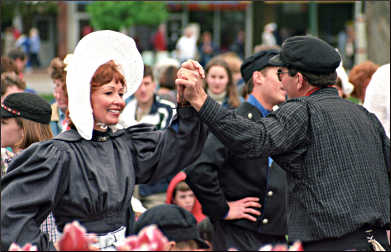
(279, 73)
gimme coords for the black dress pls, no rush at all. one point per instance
(91, 181)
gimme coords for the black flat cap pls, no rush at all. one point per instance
(28, 106)
(257, 62)
(176, 223)
(309, 54)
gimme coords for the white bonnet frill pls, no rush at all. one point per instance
(92, 51)
(347, 87)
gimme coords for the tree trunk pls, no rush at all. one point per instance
(378, 31)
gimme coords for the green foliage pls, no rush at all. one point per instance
(7, 11)
(27, 10)
(117, 15)
(47, 96)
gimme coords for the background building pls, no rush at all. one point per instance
(61, 28)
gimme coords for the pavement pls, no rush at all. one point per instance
(39, 80)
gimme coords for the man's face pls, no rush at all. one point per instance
(144, 93)
(273, 91)
(289, 83)
(184, 199)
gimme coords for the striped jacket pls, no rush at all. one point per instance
(336, 154)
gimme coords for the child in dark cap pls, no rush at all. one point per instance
(176, 223)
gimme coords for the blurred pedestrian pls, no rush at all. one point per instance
(234, 191)
(238, 45)
(268, 37)
(159, 38)
(336, 153)
(167, 84)
(8, 65)
(20, 59)
(9, 41)
(346, 45)
(23, 43)
(57, 72)
(88, 173)
(11, 83)
(87, 29)
(186, 47)
(35, 47)
(207, 49)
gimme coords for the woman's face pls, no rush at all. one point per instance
(107, 103)
(11, 132)
(59, 95)
(217, 79)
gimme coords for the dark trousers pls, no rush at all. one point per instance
(34, 60)
(353, 241)
(228, 236)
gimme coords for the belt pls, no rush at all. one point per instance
(367, 238)
(108, 241)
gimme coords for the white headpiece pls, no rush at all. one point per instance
(92, 51)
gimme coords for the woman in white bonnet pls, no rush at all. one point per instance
(88, 173)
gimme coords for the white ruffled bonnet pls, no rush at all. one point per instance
(92, 51)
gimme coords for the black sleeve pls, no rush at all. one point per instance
(35, 181)
(280, 132)
(159, 153)
(203, 178)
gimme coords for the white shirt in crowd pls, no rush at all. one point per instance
(186, 48)
(377, 96)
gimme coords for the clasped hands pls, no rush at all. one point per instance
(189, 84)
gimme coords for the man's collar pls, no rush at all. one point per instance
(253, 101)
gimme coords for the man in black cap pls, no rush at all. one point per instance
(229, 187)
(176, 223)
(336, 153)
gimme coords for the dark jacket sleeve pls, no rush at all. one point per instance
(203, 178)
(280, 132)
(159, 153)
(35, 180)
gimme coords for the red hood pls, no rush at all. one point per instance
(197, 209)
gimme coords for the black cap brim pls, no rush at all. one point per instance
(276, 61)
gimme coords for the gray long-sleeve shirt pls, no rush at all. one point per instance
(336, 154)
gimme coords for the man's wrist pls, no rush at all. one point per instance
(199, 102)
